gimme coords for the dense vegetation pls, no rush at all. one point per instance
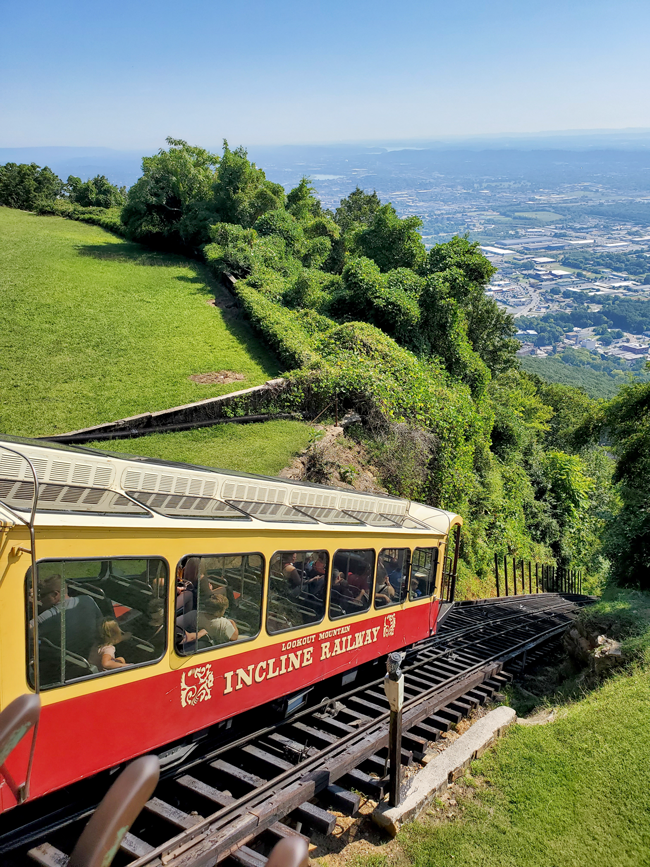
(635, 263)
(597, 384)
(626, 424)
(631, 315)
(358, 311)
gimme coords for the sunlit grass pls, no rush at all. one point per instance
(251, 448)
(572, 793)
(93, 328)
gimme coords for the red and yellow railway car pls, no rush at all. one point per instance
(169, 598)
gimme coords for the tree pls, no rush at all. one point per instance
(170, 205)
(463, 254)
(357, 209)
(392, 242)
(282, 223)
(302, 201)
(444, 328)
(240, 191)
(26, 186)
(98, 192)
(460, 266)
(627, 421)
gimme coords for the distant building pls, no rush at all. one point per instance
(634, 348)
(588, 344)
(497, 251)
(526, 349)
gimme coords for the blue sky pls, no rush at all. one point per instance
(127, 74)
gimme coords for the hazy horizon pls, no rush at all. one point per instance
(540, 139)
(265, 74)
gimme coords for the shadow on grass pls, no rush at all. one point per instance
(202, 280)
(128, 251)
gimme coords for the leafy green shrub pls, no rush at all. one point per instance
(392, 242)
(107, 218)
(282, 223)
(310, 290)
(282, 328)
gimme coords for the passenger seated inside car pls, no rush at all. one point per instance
(50, 593)
(359, 580)
(220, 629)
(394, 573)
(151, 625)
(186, 633)
(103, 654)
(315, 582)
(291, 572)
(82, 617)
(385, 593)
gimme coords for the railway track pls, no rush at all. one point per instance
(229, 804)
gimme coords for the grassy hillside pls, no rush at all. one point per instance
(595, 383)
(572, 793)
(93, 328)
(254, 448)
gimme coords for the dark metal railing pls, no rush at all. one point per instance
(523, 576)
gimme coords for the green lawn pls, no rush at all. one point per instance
(573, 793)
(93, 328)
(251, 448)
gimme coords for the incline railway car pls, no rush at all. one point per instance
(169, 598)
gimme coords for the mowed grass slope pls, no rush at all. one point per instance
(93, 328)
(573, 793)
(263, 448)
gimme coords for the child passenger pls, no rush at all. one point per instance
(103, 656)
(219, 627)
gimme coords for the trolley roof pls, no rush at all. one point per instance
(86, 487)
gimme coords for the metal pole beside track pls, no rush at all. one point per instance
(394, 689)
(496, 573)
(530, 577)
(505, 571)
(514, 575)
(523, 577)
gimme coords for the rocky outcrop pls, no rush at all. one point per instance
(587, 648)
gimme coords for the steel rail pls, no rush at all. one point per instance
(298, 775)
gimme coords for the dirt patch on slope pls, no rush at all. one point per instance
(221, 377)
(337, 461)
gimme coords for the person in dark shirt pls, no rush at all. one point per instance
(77, 618)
